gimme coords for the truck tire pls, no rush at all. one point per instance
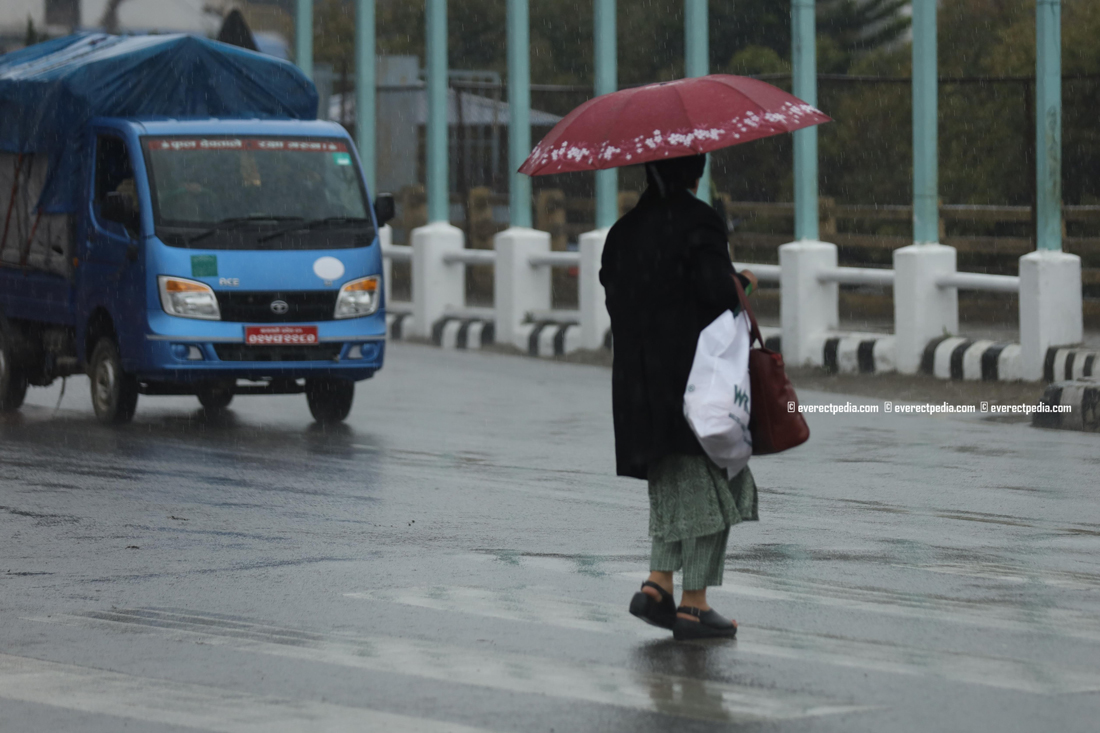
(114, 392)
(214, 398)
(13, 383)
(329, 398)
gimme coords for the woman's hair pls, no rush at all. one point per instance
(672, 174)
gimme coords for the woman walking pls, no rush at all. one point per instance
(667, 274)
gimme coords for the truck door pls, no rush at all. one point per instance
(112, 274)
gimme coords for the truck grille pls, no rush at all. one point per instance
(243, 352)
(255, 306)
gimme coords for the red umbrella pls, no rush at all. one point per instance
(668, 120)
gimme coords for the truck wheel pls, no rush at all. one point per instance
(13, 384)
(114, 392)
(330, 398)
(214, 398)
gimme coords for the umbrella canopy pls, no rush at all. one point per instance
(668, 120)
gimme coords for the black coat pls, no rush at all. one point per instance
(667, 274)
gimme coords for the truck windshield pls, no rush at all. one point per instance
(233, 192)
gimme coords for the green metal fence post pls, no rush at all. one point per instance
(303, 37)
(607, 181)
(696, 62)
(437, 188)
(1048, 124)
(804, 63)
(364, 89)
(519, 109)
(926, 213)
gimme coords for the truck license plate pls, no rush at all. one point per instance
(280, 335)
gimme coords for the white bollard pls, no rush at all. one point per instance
(595, 320)
(437, 286)
(518, 288)
(1050, 307)
(922, 310)
(807, 306)
(385, 240)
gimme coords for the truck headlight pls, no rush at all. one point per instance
(358, 298)
(188, 298)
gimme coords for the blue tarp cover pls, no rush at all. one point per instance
(48, 93)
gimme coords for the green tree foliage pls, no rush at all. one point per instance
(334, 34)
(32, 35)
(986, 137)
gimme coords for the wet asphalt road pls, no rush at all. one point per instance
(459, 557)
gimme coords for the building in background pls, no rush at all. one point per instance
(269, 20)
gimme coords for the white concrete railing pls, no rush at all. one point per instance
(924, 279)
(521, 284)
(980, 281)
(926, 284)
(764, 273)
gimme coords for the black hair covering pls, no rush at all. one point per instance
(672, 174)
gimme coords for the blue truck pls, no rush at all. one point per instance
(175, 220)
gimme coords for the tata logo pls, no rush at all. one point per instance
(279, 307)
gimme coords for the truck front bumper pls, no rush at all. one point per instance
(184, 350)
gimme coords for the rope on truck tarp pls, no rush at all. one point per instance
(25, 250)
(64, 381)
(11, 202)
(23, 255)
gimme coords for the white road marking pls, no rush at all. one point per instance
(536, 607)
(1030, 619)
(1009, 574)
(528, 674)
(197, 706)
(1014, 616)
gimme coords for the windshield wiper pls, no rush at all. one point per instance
(313, 224)
(236, 222)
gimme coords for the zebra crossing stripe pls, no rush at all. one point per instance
(578, 681)
(203, 707)
(547, 610)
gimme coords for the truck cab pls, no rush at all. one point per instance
(214, 257)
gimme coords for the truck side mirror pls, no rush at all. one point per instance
(384, 208)
(119, 208)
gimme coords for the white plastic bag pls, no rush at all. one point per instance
(718, 401)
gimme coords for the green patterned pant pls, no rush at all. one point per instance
(702, 558)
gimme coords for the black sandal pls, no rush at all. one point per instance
(658, 613)
(711, 625)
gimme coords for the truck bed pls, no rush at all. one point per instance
(36, 296)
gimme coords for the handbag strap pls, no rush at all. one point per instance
(754, 330)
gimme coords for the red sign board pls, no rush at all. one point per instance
(280, 335)
(179, 144)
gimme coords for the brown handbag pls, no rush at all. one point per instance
(775, 422)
